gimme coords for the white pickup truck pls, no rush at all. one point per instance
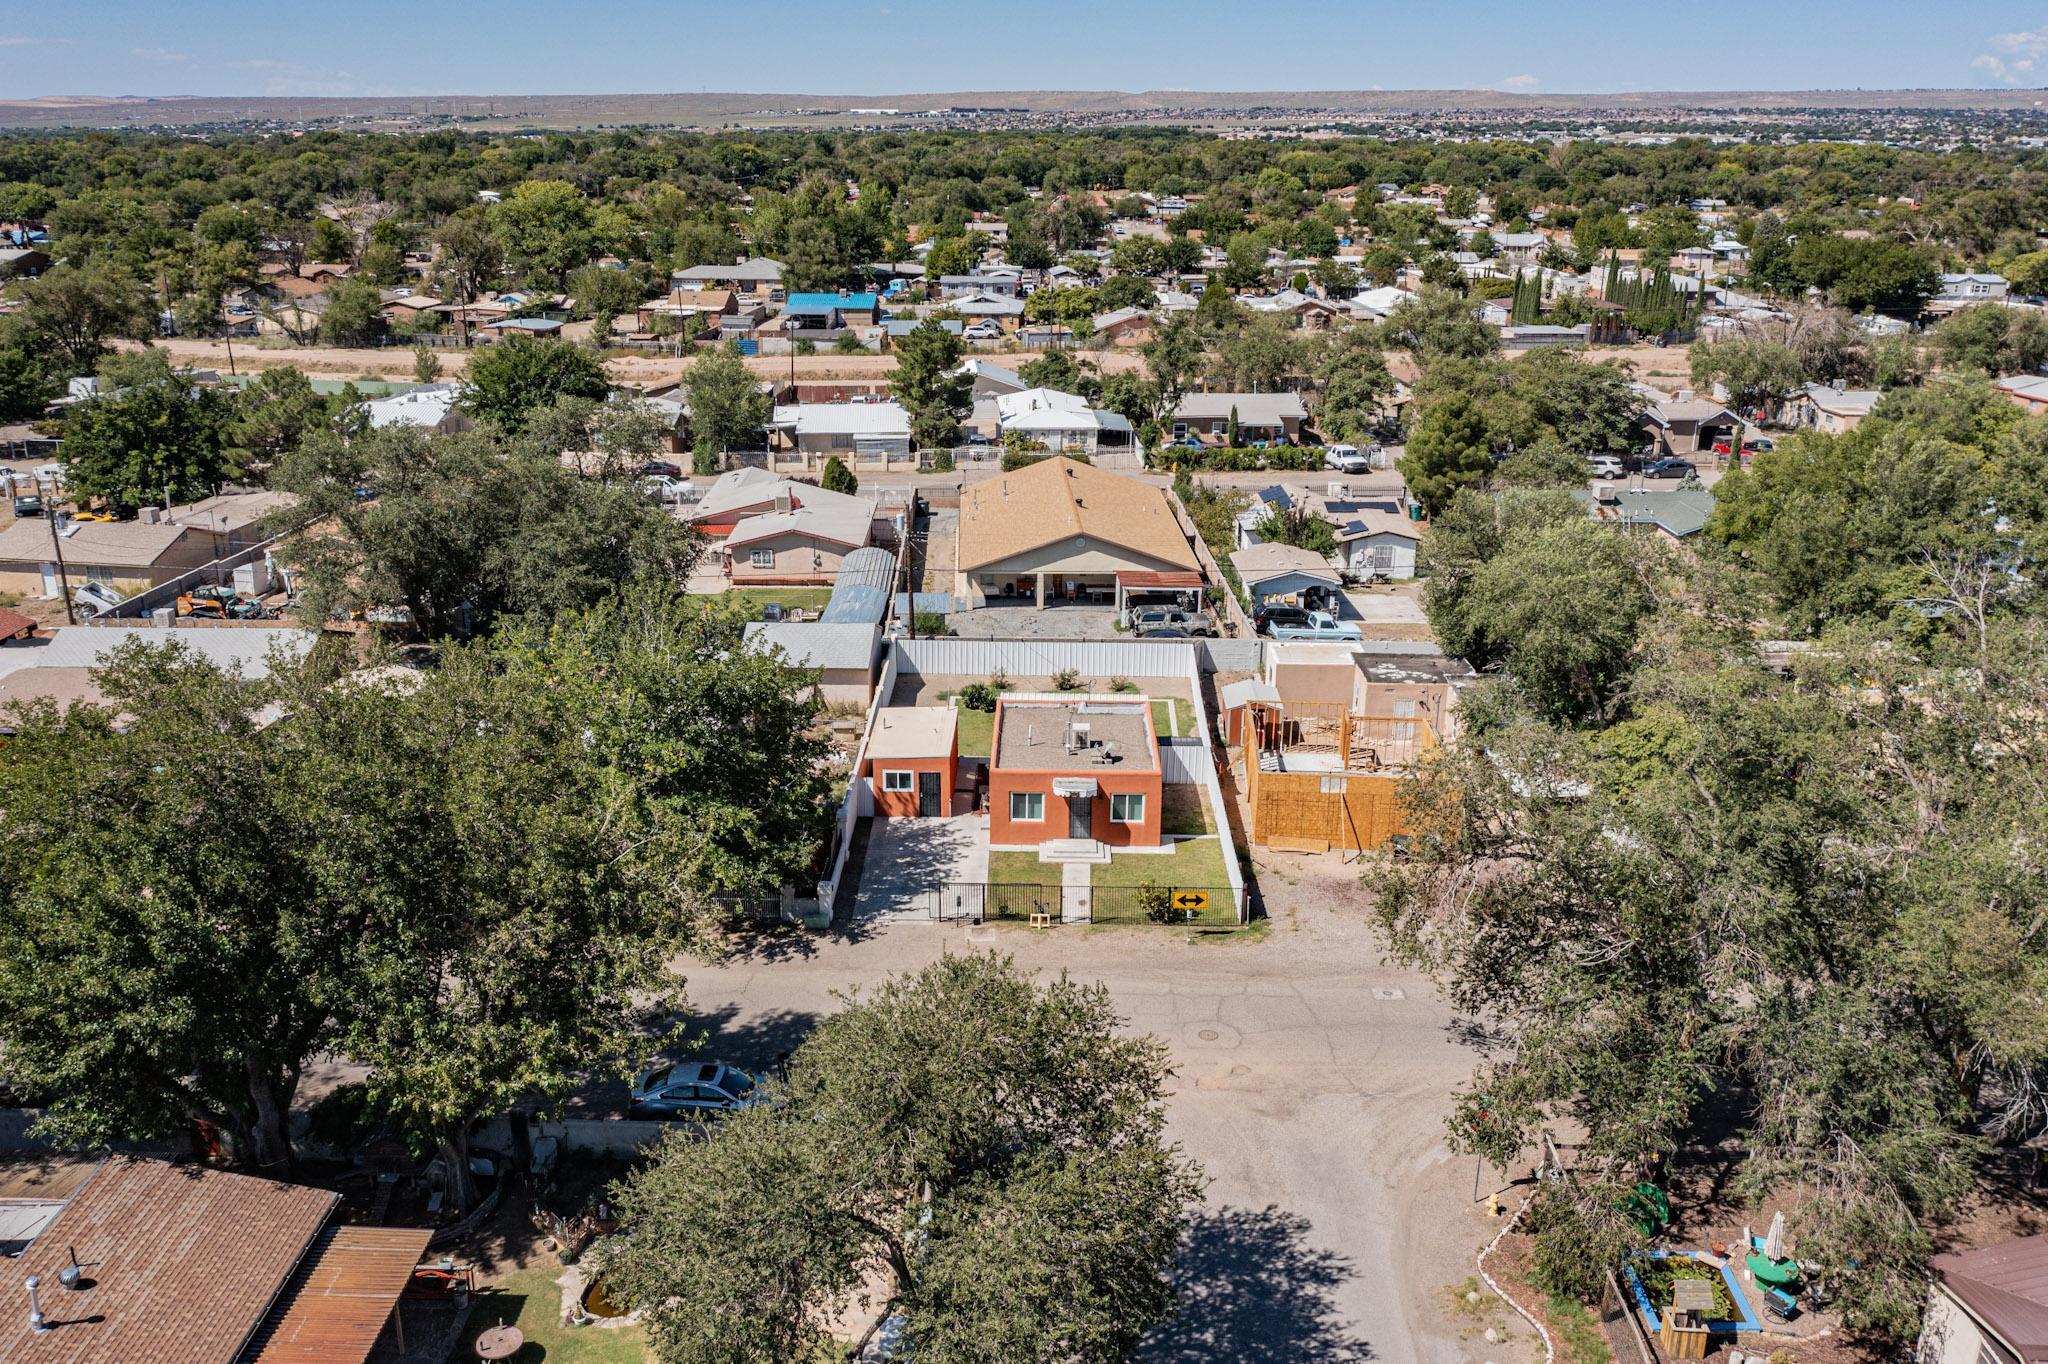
(1347, 459)
(1321, 625)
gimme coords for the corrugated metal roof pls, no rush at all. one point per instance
(2006, 1286)
(337, 1303)
(860, 595)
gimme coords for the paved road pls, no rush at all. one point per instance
(1311, 1086)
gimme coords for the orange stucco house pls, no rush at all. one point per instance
(1083, 767)
(913, 754)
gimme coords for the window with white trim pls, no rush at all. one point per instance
(898, 779)
(1126, 807)
(1027, 805)
(762, 558)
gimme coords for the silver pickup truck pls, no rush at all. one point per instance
(1321, 625)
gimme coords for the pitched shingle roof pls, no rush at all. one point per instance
(1058, 499)
(184, 1262)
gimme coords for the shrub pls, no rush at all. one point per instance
(703, 460)
(979, 696)
(1122, 684)
(1067, 679)
(1572, 1251)
(941, 462)
(1156, 901)
(999, 679)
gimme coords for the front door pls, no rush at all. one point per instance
(1080, 817)
(928, 794)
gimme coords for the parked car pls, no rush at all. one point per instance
(1760, 446)
(1164, 632)
(1320, 625)
(1170, 618)
(1270, 615)
(661, 468)
(1669, 468)
(981, 331)
(1347, 459)
(1607, 466)
(28, 506)
(696, 1089)
(662, 488)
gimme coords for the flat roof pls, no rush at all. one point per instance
(1035, 733)
(913, 732)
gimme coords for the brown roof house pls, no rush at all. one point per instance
(1989, 1306)
(157, 546)
(1062, 531)
(183, 1264)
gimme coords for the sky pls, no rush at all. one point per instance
(418, 47)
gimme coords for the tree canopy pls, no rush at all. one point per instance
(991, 1147)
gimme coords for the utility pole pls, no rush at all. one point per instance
(57, 546)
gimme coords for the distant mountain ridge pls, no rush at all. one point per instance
(132, 110)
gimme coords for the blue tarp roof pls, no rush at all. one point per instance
(825, 303)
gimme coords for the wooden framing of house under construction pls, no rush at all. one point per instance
(1318, 777)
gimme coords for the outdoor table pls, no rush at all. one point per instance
(500, 1342)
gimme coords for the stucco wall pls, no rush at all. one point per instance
(1003, 830)
(903, 804)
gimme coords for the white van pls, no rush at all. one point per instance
(1347, 459)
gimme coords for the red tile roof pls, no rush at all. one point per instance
(182, 1263)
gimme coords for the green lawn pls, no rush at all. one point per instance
(1173, 717)
(809, 598)
(1184, 811)
(1021, 869)
(1197, 863)
(977, 732)
(531, 1300)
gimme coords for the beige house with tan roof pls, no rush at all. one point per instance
(1061, 531)
(155, 547)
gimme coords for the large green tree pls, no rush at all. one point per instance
(727, 407)
(463, 529)
(154, 434)
(928, 385)
(1448, 450)
(990, 1147)
(510, 380)
(79, 308)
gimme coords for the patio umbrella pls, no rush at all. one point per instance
(1774, 1239)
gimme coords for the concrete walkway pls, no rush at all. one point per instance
(908, 861)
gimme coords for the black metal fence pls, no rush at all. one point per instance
(981, 901)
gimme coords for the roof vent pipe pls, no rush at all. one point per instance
(35, 1311)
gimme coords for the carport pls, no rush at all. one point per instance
(1158, 589)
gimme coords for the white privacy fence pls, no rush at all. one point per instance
(1094, 659)
(859, 801)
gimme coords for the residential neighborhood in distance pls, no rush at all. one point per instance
(1034, 725)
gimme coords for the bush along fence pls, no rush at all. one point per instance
(1237, 458)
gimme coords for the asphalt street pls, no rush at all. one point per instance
(1311, 1082)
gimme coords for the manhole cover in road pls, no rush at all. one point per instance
(1214, 1035)
(1388, 992)
(1208, 1034)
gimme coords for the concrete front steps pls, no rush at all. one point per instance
(1074, 850)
